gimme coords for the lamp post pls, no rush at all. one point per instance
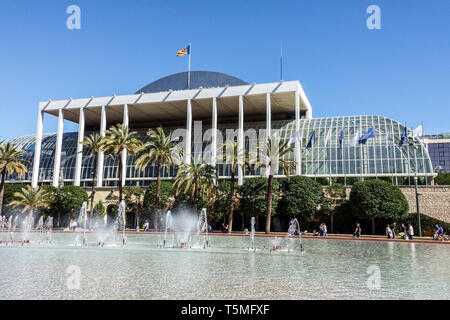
(417, 205)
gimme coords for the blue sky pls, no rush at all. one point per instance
(401, 71)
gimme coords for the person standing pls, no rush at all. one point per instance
(394, 228)
(410, 232)
(388, 232)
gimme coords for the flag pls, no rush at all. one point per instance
(403, 138)
(388, 135)
(341, 139)
(417, 132)
(369, 134)
(354, 140)
(327, 138)
(296, 137)
(185, 51)
(313, 137)
(182, 52)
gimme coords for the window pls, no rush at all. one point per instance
(442, 162)
(441, 154)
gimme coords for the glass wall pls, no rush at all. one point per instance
(381, 156)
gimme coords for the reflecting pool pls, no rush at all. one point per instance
(327, 269)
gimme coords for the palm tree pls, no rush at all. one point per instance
(194, 179)
(94, 143)
(274, 155)
(11, 162)
(237, 158)
(30, 199)
(158, 151)
(117, 140)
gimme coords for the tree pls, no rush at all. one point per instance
(100, 209)
(94, 144)
(117, 140)
(253, 194)
(164, 197)
(65, 200)
(134, 200)
(443, 179)
(274, 155)
(194, 179)
(301, 197)
(158, 151)
(337, 195)
(238, 159)
(29, 199)
(375, 199)
(11, 162)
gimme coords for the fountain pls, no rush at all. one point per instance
(252, 234)
(168, 228)
(186, 230)
(121, 222)
(49, 229)
(27, 224)
(40, 229)
(202, 228)
(82, 221)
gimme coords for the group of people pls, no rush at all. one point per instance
(224, 228)
(405, 232)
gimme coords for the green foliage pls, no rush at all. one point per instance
(428, 224)
(349, 181)
(302, 197)
(254, 196)
(443, 179)
(375, 199)
(100, 209)
(322, 181)
(164, 195)
(8, 195)
(66, 199)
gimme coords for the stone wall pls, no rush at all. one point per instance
(434, 201)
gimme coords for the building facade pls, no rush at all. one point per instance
(218, 108)
(438, 147)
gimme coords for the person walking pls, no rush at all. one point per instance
(394, 228)
(357, 232)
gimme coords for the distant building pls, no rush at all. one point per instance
(438, 147)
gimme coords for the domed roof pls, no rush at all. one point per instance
(205, 79)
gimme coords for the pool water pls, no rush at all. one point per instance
(327, 269)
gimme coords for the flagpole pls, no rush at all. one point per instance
(189, 67)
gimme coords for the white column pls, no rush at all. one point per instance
(101, 155)
(188, 143)
(214, 133)
(81, 123)
(268, 116)
(241, 138)
(59, 138)
(37, 149)
(298, 158)
(124, 154)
